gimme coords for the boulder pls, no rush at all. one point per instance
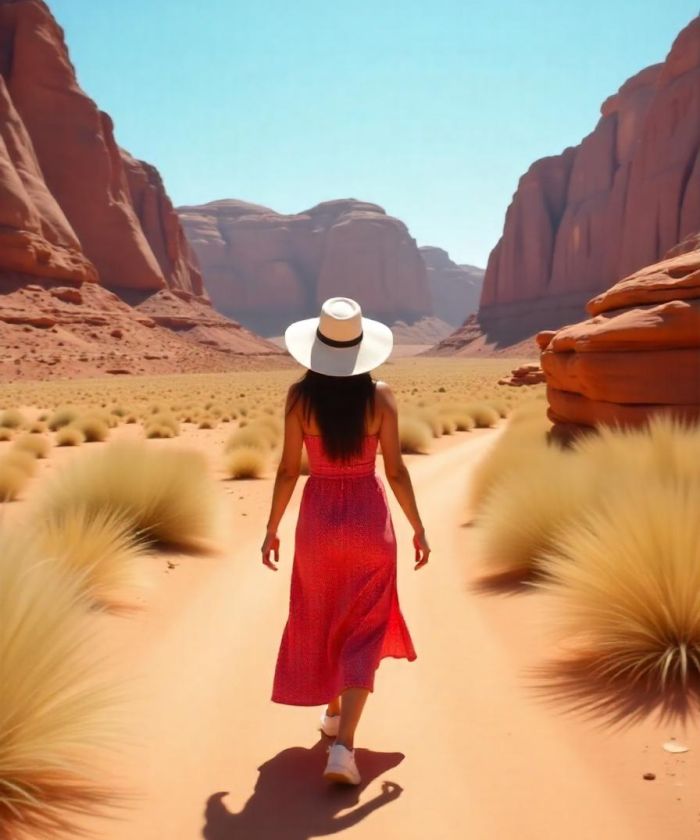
(637, 355)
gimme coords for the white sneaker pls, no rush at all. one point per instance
(341, 765)
(330, 724)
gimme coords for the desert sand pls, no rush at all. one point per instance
(462, 742)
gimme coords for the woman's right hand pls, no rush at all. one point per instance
(420, 543)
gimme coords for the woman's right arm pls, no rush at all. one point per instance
(397, 474)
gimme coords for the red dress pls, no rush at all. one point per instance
(344, 614)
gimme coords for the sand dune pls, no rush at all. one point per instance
(460, 743)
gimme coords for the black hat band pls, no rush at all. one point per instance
(331, 342)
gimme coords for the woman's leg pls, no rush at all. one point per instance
(352, 704)
(333, 707)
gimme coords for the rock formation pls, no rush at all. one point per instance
(455, 289)
(76, 210)
(623, 197)
(531, 374)
(639, 352)
(268, 268)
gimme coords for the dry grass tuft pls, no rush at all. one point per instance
(518, 449)
(69, 436)
(37, 445)
(13, 477)
(626, 580)
(250, 435)
(94, 427)
(414, 435)
(101, 546)
(245, 462)
(63, 416)
(55, 714)
(12, 418)
(167, 496)
(527, 508)
(6, 434)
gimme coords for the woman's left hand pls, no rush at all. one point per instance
(271, 544)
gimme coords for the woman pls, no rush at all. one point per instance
(344, 614)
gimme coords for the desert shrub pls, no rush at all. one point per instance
(428, 415)
(12, 418)
(207, 423)
(485, 416)
(6, 434)
(62, 416)
(414, 435)
(517, 449)
(37, 427)
(93, 427)
(69, 436)
(166, 419)
(664, 446)
(38, 446)
(625, 576)
(462, 417)
(245, 462)
(158, 431)
(56, 714)
(251, 435)
(526, 508)
(101, 545)
(13, 478)
(167, 496)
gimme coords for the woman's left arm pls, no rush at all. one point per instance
(285, 481)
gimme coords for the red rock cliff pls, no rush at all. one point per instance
(601, 210)
(268, 268)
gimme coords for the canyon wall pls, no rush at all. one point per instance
(620, 200)
(76, 209)
(268, 268)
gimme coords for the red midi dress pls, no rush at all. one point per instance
(344, 614)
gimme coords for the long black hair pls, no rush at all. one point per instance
(341, 406)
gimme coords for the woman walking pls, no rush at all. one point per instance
(344, 614)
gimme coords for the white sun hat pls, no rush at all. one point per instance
(341, 341)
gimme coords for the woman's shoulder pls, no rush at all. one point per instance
(384, 392)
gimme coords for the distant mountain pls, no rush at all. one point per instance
(455, 289)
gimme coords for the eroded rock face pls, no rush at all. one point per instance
(269, 269)
(601, 210)
(455, 289)
(638, 354)
(79, 216)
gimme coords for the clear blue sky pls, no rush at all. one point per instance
(431, 108)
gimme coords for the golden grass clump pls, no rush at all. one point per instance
(414, 434)
(13, 477)
(37, 427)
(518, 449)
(526, 509)
(164, 424)
(101, 545)
(251, 435)
(12, 418)
(625, 577)
(245, 462)
(94, 427)
(167, 496)
(69, 435)
(37, 445)
(484, 416)
(55, 714)
(62, 416)
(6, 434)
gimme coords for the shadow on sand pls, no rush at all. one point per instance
(577, 685)
(292, 800)
(503, 583)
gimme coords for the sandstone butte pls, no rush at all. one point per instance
(620, 200)
(269, 268)
(455, 288)
(75, 209)
(638, 354)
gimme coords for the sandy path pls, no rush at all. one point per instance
(470, 749)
